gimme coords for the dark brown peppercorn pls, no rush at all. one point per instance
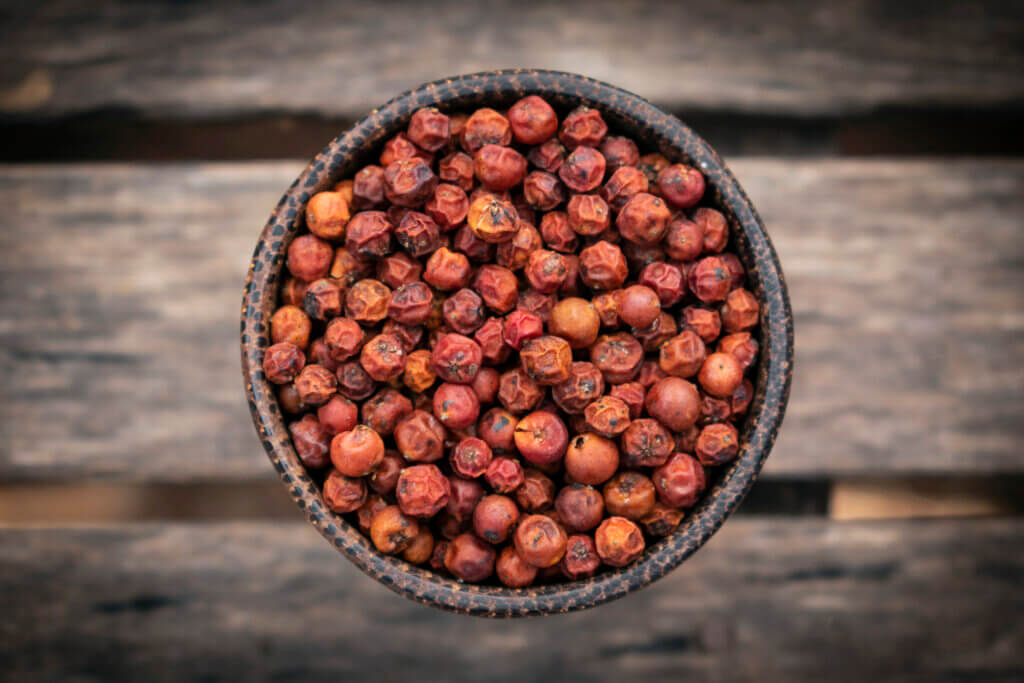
(282, 363)
(315, 384)
(673, 402)
(543, 191)
(369, 235)
(422, 491)
(617, 356)
(717, 444)
(680, 481)
(494, 518)
(420, 437)
(470, 559)
(646, 443)
(312, 441)
(583, 170)
(619, 541)
(540, 541)
(343, 494)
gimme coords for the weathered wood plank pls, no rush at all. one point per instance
(772, 600)
(120, 286)
(343, 58)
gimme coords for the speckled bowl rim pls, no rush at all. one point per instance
(654, 128)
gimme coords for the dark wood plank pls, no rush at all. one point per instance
(121, 285)
(773, 600)
(195, 60)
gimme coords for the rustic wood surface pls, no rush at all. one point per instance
(767, 600)
(121, 286)
(342, 58)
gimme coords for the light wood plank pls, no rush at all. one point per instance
(121, 284)
(771, 600)
(344, 58)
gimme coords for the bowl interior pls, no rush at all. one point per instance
(654, 131)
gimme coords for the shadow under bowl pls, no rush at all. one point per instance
(654, 130)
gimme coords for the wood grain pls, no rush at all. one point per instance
(770, 600)
(343, 58)
(121, 284)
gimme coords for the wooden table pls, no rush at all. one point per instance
(121, 282)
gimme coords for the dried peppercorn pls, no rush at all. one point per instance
(532, 120)
(557, 234)
(717, 444)
(548, 156)
(456, 405)
(666, 280)
(741, 398)
(422, 491)
(619, 152)
(383, 358)
(419, 372)
(408, 182)
(492, 219)
(421, 548)
(580, 560)
(632, 394)
(292, 291)
(368, 510)
(470, 559)
(583, 386)
(650, 373)
(511, 569)
(326, 215)
(418, 234)
(437, 557)
(420, 437)
(706, 323)
(618, 357)
(447, 270)
(309, 257)
(409, 336)
(540, 541)
(471, 457)
(319, 354)
(497, 429)
(546, 271)
(684, 239)
(429, 129)
(514, 253)
(383, 411)
(682, 355)
(606, 304)
(673, 402)
(607, 416)
(603, 266)
(485, 385)
(456, 358)
(401, 147)
(494, 518)
(490, 338)
(505, 475)
(368, 188)
(451, 526)
(580, 507)
(541, 437)
(289, 399)
(681, 185)
(392, 531)
(475, 249)
(338, 415)
(312, 441)
(367, 301)
(315, 385)
(384, 479)
(651, 165)
(630, 495)
(397, 269)
(547, 360)
(543, 191)
(591, 459)
(653, 336)
(583, 126)
(343, 494)
(346, 269)
(537, 303)
(536, 493)
(499, 168)
(714, 409)
(624, 184)
(410, 304)
(322, 300)
(710, 279)
(680, 481)
(465, 495)
(583, 170)
(646, 443)
(290, 324)
(576, 321)
(741, 345)
(740, 311)
(369, 235)
(639, 306)
(457, 169)
(588, 214)
(714, 228)
(485, 127)
(661, 520)
(644, 219)
(353, 381)
(497, 286)
(720, 374)
(619, 541)
(357, 452)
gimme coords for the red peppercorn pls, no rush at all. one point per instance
(666, 280)
(541, 437)
(714, 227)
(494, 518)
(471, 457)
(619, 152)
(603, 266)
(674, 402)
(392, 531)
(498, 287)
(353, 381)
(514, 253)
(588, 214)
(398, 269)
(651, 165)
(493, 219)
(368, 188)
(624, 184)
(470, 559)
(384, 479)
(710, 279)
(368, 510)
(741, 345)
(409, 182)
(490, 338)
(338, 415)
(580, 507)
(532, 120)
(717, 444)
(704, 322)
(421, 548)
(367, 301)
(684, 239)
(583, 386)
(346, 269)
(485, 127)
(464, 311)
(309, 257)
(546, 271)
(422, 491)
(429, 129)
(741, 398)
(384, 410)
(714, 409)
(537, 303)
(591, 459)
(619, 541)
(580, 560)
(437, 557)
(720, 374)
(401, 147)
(540, 541)
(457, 169)
(608, 416)
(456, 358)
(583, 170)
(618, 357)
(680, 185)
(357, 452)
(646, 443)
(632, 394)
(343, 494)
(292, 291)
(282, 362)
(315, 385)
(546, 360)
(512, 571)
(557, 233)
(326, 215)
(497, 429)
(504, 475)
(447, 270)
(630, 495)
(312, 441)
(465, 496)
(536, 493)
(448, 206)
(639, 306)
(410, 304)
(739, 312)
(383, 358)
(485, 385)
(369, 234)
(583, 126)
(661, 520)
(499, 168)
(644, 219)
(420, 437)
(543, 190)
(418, 234)
(680, 481)
(456, 405)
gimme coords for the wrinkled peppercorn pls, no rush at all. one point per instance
(490, 338)
(681, 185)
(710, 279)
(471, 457)
(588, 214)
(485, 127)
(499, 168)
(344, 494)
(353, 381)
(646, 443)
(392, 531)
(583, 126)
(558, 234)
(514, 253)
(401, 147)
(536, 493)
(420, 437)
(447, 270)
(618, 357)
(644, 219)
(457, 169)
(661, 520)
(418, 234)
(493, 219)
(290, 324)
(419, 372)
(456, 358)
(546, 360)
(540, 541)
(543, 191)
(619, 541)
(309, 257)
(369, 235)
(580, 560)
(705, 323)
(282, 363)
(383, 358)
(408, 182)
(512, 571)
(384, 479)
(632, 394)
(619, 152)
(583, 170)
(326, 215)
(315, 385)
(429, 129)
(717, 444)
(608, 416)
(741, 345)
(357, 452)
(603, 266)
(384, 410)
(680, 481)
(422, 491)
(367, 301)
(714, 228)
(368, 510)
(740, 311)
(624, 184)
(497, 286)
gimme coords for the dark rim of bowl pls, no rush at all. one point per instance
(626, 114)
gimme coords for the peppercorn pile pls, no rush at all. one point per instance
(514, 345)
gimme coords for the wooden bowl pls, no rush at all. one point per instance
(654, 130)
